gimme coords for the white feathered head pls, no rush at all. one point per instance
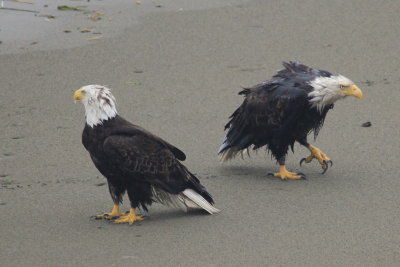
(327, 90)
(99, 103)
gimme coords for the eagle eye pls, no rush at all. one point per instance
(341, 86)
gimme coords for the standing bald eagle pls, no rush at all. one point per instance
(283, 110)
(134, 160)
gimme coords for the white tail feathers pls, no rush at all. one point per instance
(187, 199)
(192, 199)
(231, 153)
(228, 154)
(224, 145)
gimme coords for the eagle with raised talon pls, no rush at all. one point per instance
(136, 161)
(278, 112)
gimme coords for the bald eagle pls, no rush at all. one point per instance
(134, 160)
(278, 112)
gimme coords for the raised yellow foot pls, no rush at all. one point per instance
(129, 218)
(316, 153)
(285, 174)
(112, 215)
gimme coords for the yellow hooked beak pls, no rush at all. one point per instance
(78, 95)
(353, 90)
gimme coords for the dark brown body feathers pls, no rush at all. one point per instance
(134, 160)
(275, 114)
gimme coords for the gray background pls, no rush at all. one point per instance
(191, 64)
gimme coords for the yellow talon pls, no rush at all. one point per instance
(129, 218)
(316, 153)
(285, 174)
(108, 216)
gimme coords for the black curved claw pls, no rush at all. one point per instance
(99, 217)
(325, 163)
(270, 174)
(331, 162)
(302, 176)
(302, 160)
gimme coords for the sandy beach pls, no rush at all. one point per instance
(175, 68)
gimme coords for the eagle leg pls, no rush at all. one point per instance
(129, 218)
(316, 153)
(112, 215)
(285, 174)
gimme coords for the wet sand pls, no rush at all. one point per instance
(177, 73)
